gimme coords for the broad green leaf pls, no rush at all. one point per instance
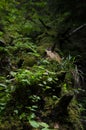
(34, 123)
(45, 125)
(3, 85)
(50, 79)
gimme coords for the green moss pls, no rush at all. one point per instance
(41, 49)
(11, 125)
(74, 117)
(43, 46)
(29, 60)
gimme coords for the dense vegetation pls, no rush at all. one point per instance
(42, 65)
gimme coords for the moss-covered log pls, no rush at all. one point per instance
(60, 109)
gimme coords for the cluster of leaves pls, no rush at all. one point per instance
(30, 95)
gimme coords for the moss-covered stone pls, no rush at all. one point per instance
(29, 61)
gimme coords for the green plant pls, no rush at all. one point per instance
(5, 92)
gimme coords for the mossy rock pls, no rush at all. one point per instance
(29, 61)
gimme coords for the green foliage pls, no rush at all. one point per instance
(4, 95)
(34, 90)
(68, 63)
(31, 86)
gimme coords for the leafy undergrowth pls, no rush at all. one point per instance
(37, 92)
(38, 96)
